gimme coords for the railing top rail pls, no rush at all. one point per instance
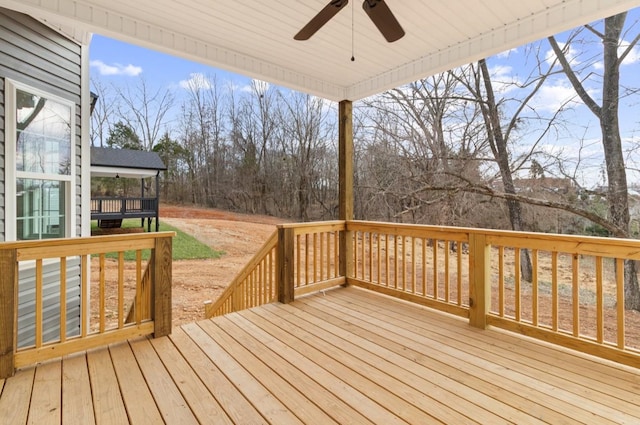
(568, 243)
(120, 198)
(322, 225)
(80, 241)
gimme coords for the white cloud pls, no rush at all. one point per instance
(633, 56)
(196, 81)
(256, 86)
(571, 54)
(502, 79)
(506, 53)
(553, 96)
(116, 69)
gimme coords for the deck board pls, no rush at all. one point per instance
(139, 403)
(232, 400)
(350, 356)
(517, 377)
(173, 407)
(108, 404)
(269, 347)
(295, 400)
(513, 357)
(77, 408)
(46, 399)
(426, 389)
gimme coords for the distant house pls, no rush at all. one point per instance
(125, 163)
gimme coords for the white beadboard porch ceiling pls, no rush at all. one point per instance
(255, 38)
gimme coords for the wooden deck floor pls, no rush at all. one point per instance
(348, 357)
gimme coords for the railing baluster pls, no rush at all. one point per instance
(620, 303)
(576, 296)
(404, 262)
(387, 254)
(306, 259)
(501, 281)
(315, 258)
(63, 299)
(424, 266)
(38, 294)
(370, 256)
(323, 254)
(84, 294)
(534, 287)
(138, 287)
(554, 291)
(446, 268)
(599, 302)
(435, 268)
(413, 265)
(518, 286)
(121, 290)
(101, 291)
(298, 261)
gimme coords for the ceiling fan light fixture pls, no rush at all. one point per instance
(384, 20)
(377, 10)
(318, 21)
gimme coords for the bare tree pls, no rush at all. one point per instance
(607, 114)
(145, 110)
(428, 136)
(307, 134)
(102, 116)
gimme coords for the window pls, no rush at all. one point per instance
(40, 142)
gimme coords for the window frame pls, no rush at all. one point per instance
(67, 181)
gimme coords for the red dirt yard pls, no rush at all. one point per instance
(240, 236)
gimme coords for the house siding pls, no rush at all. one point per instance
(34, 54)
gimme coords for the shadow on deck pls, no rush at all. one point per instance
(344, 356)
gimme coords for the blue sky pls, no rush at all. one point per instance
(119, 64)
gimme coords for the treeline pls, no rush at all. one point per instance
(465, 147)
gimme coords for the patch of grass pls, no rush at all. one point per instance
(185, 246)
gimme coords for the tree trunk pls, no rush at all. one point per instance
(501, 153)
(617, 195)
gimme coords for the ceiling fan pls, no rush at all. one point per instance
(377, 10)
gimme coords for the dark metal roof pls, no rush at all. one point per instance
(125, 158)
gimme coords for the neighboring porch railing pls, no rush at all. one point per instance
(575, 297)
(137, 207)
(108, 284)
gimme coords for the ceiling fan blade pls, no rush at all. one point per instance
(383, 18)
(328, 12)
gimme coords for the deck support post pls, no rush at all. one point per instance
(345, 177)
(480, 280)
(8, 303)
(161, 300)
(285, 263)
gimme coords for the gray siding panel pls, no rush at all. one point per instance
(34, 54)
(50, 302)
(35, 59)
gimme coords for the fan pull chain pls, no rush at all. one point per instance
(353, 57)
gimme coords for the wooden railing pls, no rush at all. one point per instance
(110, 207)
(306, 255)
(576, 294)
(422, 264)
(574, 297)
(253, 286)
(106, 286)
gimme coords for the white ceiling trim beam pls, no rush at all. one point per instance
(553, 20)
(107, 22)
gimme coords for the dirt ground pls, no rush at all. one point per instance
(196, 281)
